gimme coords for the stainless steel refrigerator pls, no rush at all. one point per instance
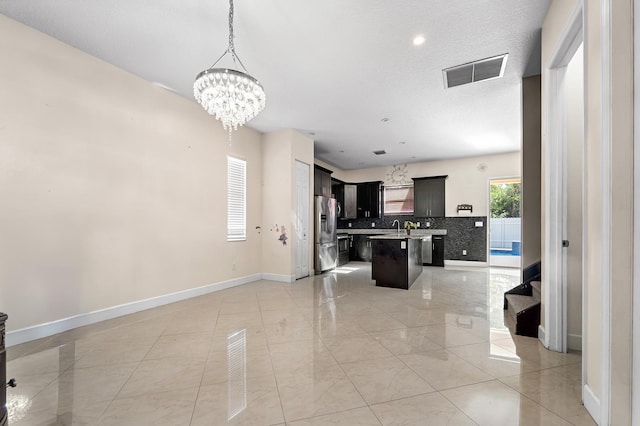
(326, 239)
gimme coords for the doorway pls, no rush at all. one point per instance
(564, 236)
(505, 222)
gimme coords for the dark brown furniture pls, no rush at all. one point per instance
(4, 416)
(396, 261)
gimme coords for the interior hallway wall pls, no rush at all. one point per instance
(281, 149)
(531, 179)
(113, 190)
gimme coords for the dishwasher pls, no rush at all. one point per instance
(427, 250)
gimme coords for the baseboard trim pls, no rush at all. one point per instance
(542, 336)
(591, 403)
(279, 277)
(472, 263)
(39, 331)
(574, 342)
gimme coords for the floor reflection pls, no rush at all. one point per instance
(237, 366)
(327, 349)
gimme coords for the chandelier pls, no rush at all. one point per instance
(232, 96)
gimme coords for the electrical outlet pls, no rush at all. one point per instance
(418, 224)
(464, 252)
(349, 224)
(373, 224)
(428, 224)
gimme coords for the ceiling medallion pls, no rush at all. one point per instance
(233, 97)
(398, 175)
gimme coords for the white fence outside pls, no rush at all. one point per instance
(505, 231)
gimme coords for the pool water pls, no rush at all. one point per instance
(504, 253)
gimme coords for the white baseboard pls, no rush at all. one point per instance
(465, 263)
(574, 342)
(542, 336)
(54, 327)
(591, 403)
(279, 277)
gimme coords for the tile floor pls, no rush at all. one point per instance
(325, 350)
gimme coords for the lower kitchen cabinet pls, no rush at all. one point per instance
(360, 249)
(437, 256)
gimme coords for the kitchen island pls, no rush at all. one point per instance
(396, 260)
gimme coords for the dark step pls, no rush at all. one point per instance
(525, 313)
(518, 303)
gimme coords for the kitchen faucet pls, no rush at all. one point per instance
(398, 222)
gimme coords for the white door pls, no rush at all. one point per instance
(302, 220)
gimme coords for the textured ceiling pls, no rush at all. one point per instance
(332, 68)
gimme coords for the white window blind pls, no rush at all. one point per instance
(398, 200)
(236, 199)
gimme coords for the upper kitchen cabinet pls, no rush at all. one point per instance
(428, 193)
(345, 195)
(368, 194)
(322, 181)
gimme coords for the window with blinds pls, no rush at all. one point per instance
(236, 199)
(398, 200)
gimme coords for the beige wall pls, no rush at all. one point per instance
(112, 189)
(281, 149)
(466, 184)
(575, 141)
(531, 179)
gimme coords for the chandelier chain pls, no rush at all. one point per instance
(232, 48)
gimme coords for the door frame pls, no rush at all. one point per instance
(554, 334)
(489, 220)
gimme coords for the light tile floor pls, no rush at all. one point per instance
(325, 350)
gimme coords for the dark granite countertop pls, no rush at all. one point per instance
(387, 231)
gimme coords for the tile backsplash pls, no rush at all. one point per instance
(462, 233)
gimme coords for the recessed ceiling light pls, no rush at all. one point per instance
(341, 151)
(380, 152)
(312, 133)
(384, 120)
(402, 142)
(418, 40)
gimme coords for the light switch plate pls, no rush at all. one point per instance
(373, 224)
(479, 224)
(403, 245)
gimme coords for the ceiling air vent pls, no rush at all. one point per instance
(380, 152)
(484, 69)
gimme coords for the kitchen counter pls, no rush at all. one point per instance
(396, 237)
(396, 261)
(388, 231)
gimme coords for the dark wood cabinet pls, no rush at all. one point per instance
(437, 255)
(322, 181)
(396, 262)
(337, 192)
(360, 249)
(368, 195)
(429, 196)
